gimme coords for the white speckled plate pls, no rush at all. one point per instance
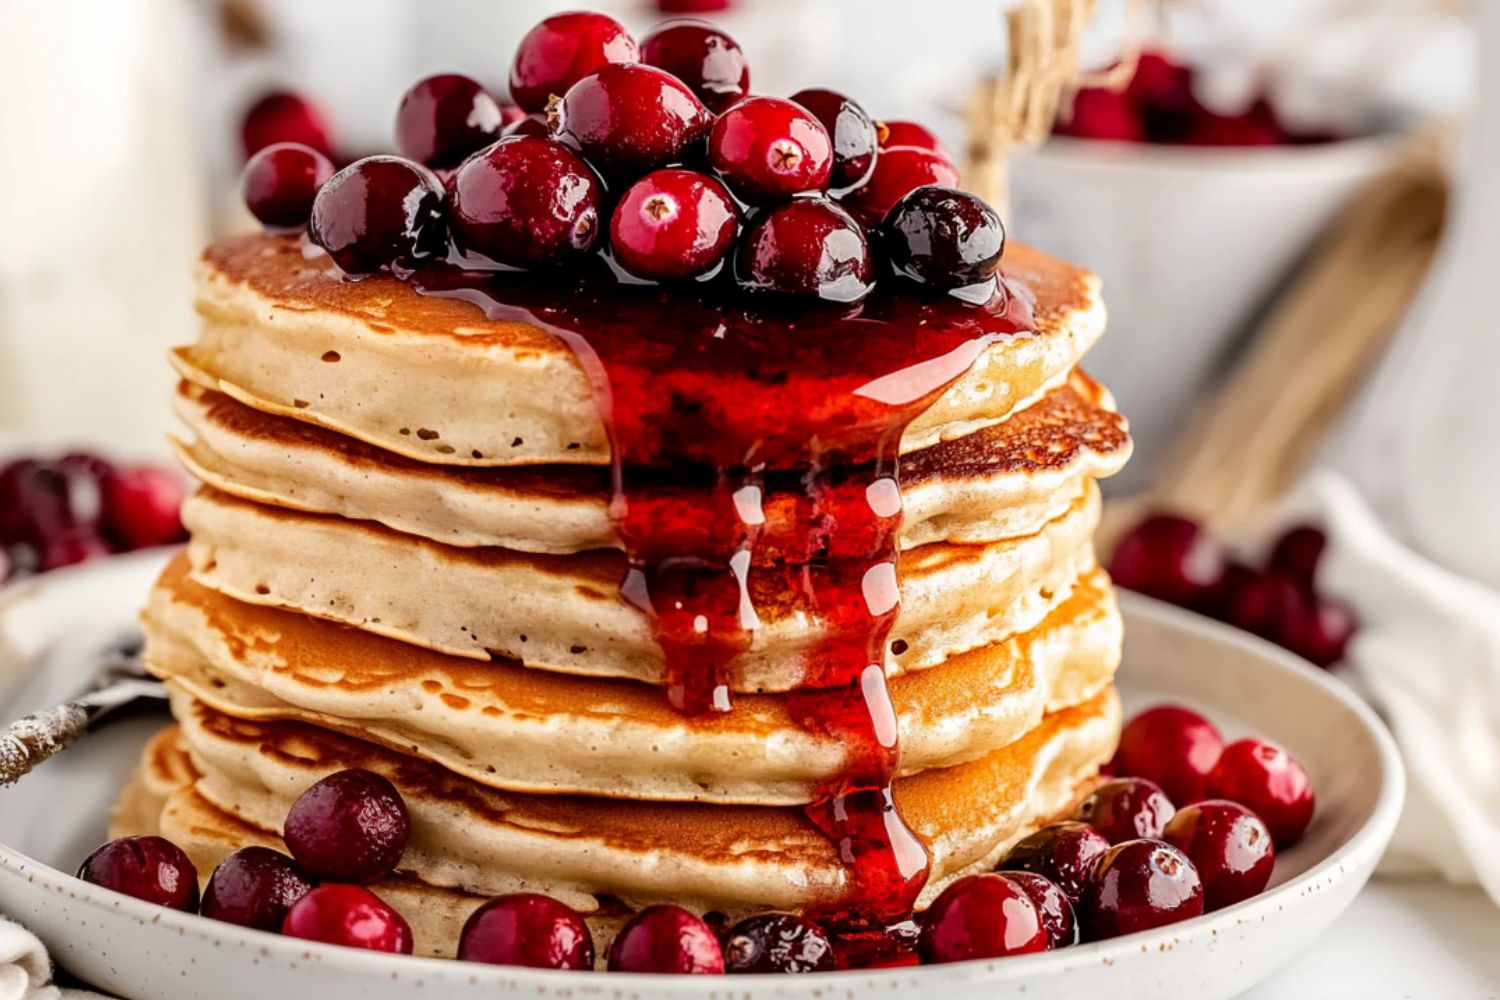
(52, 819)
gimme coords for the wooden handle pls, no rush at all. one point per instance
(35, 738)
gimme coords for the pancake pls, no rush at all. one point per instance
(433, 379)
(527, 731)
(1000, 482)
(566, 613)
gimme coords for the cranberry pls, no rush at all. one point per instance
(444, 118)
(142, 506)
(1063, 853)
(254, 887)
(899, 133)
(1267, 780)
(280, 182)
(562, 50)
(526, 202)
(768, 149)
(512, 114)
(855, 142)
(1138, 885)
(673, 224)
(666, 939)
(148, 868)
(1297, 553)
(350, 916)
(1161, 83)
(1318, 630)
(981, 916)
(1257, 126)
(1173, 559)
(1127, 809)
(1229, 845)
(693, 6)
(352, 827)
(701, 56)
(530, 930)
(630, 119)
(377, 212)
(777, 942)
(1052, 905)
(284, 117)
(74, 546)
(533, 125)
(1102, 114)
(809, 246)
(943, 238)
(1173, 746)
(42, 501)
(898, 171)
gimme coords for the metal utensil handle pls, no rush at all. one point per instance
(27, 743)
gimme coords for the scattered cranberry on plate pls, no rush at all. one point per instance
(1266, 779)
(527, 929)
(1173, 746)
(666, 939)
(350, 916)
(981, 916)
(1127, 808)
(148, 868)
(1230, 847)
(1139, 885)
(1063, 853)
(777, 942)
(284, 116)
(352, 826)
(254, 887)
(1052, 905)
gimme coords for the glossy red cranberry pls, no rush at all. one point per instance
(1171, 558)
(1297, 553)
(1138, 885)
(1052, 905)
(1268, 781)
(532, 125)
(700, 55)
(444, 118)
(284, 117)
(350, 827)
(898, 171)
(673, 223)
(528, 929)
(1063, 853)
(855, 142)
(981, 916)
(378, 212)
(562, 50)
(768, 149)
(526, 202)
(254, 887)
(1127, 809)
(777, 942)
(350, 916)
(1318, 630)
(41, 501)
(806, 247)
(1098, 113)
(1229, 845)
(142, 506)
(281, 181)
(943, 238)
(666, 939)
(1173, 746)
(148, 868)
(627, 120)
(899, 133)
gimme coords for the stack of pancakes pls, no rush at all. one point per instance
(403, 559)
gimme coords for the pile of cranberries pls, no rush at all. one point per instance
(652, 154)
(1175, 559)
(57, 512)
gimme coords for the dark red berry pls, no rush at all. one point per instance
(943, 238)
(666, 939)
(511, 114)
(562, 50)
(855, 142)
(1173, 746)
(1260, 602)
(284, 117)
(254, 887)
(1229, 845)
(898, 133)
(807, 247)
(378, 212)
(148, 868)
(1318, 630)
(526, 202)
(41, 501)
(350, 916)
(1052, 905)
(627, 120)
(444, 118)
(1063, 853)
(281, 181)
(1256, 126)
(530, 930)
(1173, 559)
(1268, 781)
(673, 223)
(1138, 885)
(693, 6)
(777, 942)
(768, 149)
(1098, 113)
(1126, 809)
(898, 171)
(706, 59)
(1297, 553)
(1161, 83)
(532, 125)
(350, 827)
(981, 916)
(74, 546)
(142, 506)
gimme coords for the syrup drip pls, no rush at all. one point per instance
(714, 407)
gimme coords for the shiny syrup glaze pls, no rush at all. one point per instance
(710, 401)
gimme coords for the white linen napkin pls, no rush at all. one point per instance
(25, 971)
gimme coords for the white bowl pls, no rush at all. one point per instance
(54, 817)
